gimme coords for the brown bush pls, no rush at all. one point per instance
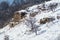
(12, 24)
(23, 15)
(16, 17)
(33, 14)
(45, 20)
(58, 17)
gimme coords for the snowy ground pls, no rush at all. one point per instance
(48, 31)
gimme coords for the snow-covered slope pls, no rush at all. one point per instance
(47, 31)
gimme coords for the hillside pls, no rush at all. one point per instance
(8, 7)
(44, 30)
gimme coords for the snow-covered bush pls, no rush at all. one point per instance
(6, 37)
(53, 6)
(31, 24)
(57, 38)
